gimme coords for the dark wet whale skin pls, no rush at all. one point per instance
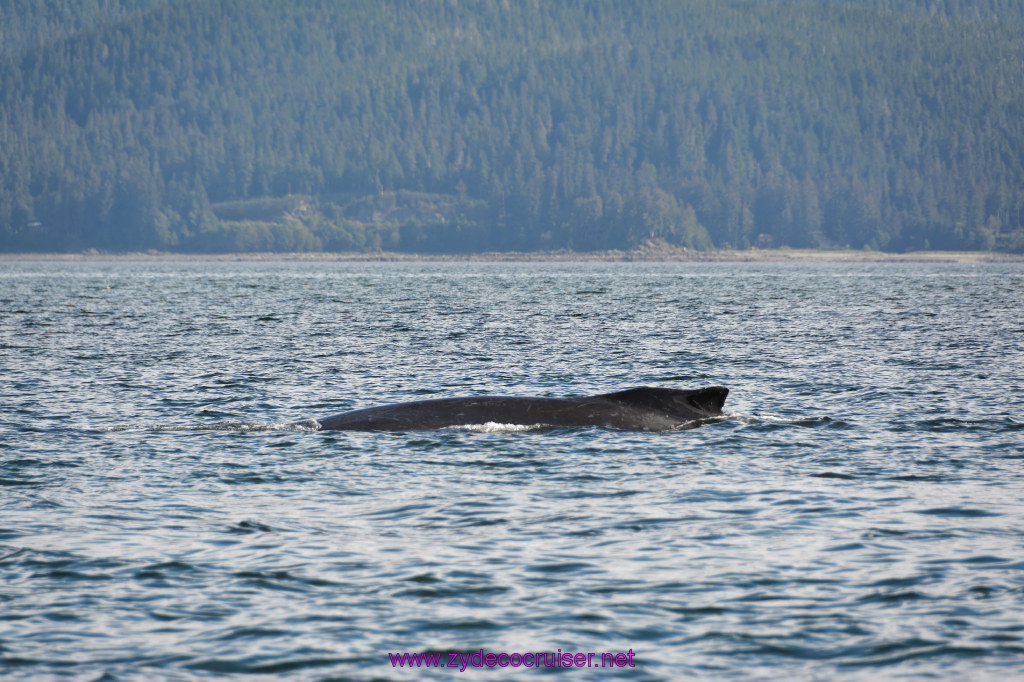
(635, 409)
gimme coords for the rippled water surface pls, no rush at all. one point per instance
(858, 516)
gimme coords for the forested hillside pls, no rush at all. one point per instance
(462, 125)
(26, 24)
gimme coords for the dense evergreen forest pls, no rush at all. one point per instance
(467, 125)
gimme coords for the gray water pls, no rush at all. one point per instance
(858, 515)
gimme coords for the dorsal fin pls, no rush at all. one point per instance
(709, 400)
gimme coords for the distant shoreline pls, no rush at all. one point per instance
(639, 255)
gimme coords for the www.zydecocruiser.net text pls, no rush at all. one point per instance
(462, 660)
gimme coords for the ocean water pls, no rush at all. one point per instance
(858, 516)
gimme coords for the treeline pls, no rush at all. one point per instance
(489, 124)
(1010, 11)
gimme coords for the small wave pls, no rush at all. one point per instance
(305, 425)
(963, 512)
(948, 424)
(757, 418)
(775, 421)
(248, 527)
(694, 423)
(495, 427)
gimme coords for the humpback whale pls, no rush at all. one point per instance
(635, 409)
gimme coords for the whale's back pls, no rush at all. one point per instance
(636, 409)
